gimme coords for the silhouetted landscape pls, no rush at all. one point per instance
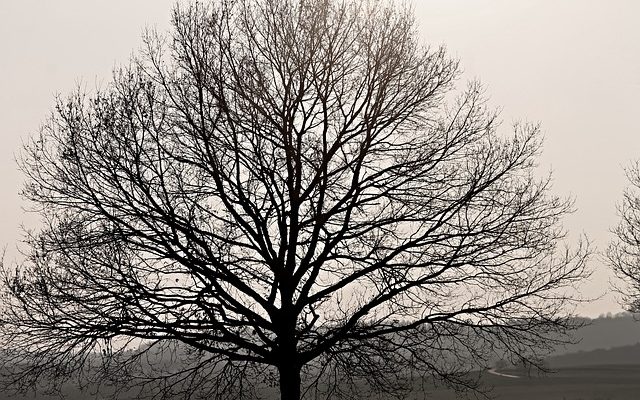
(320, 200)
(603, 365)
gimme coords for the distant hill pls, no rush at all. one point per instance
(605, 333)
(624, 355)
(607, 340)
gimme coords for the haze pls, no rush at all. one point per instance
(573, 65)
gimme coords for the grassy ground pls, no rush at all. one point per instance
(615, 382)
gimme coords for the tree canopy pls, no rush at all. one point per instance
(285, 190)
(624, 250)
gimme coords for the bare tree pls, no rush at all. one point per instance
(624, 252)
(283, 189)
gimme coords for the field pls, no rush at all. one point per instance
(614, 382)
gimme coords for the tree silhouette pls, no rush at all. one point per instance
(286, 190)
(624, 251)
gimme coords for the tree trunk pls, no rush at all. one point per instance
(289, 365)
(289, 380)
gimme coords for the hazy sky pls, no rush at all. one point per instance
(573, 65)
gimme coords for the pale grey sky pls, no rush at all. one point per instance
(573, 65)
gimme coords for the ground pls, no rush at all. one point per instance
(606, 382)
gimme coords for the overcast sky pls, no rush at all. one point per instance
(573, 65)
